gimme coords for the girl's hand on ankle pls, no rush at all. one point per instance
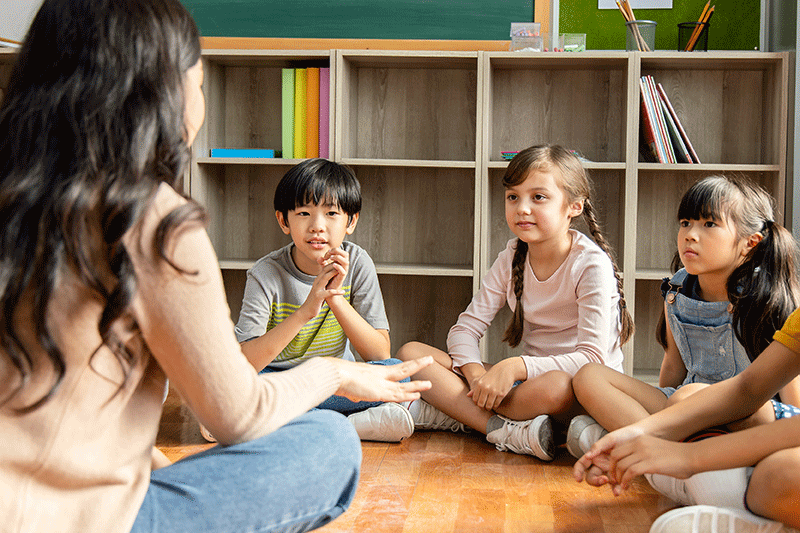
(491, 388)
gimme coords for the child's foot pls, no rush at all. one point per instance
(427, 416)
(720, 488)
(207, 434)
(707, 519)
(529, 437)
(582, 433)
(387, 422)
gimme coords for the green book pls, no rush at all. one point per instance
(287, 113)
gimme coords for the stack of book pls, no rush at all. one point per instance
(663, 137)
(305, 112)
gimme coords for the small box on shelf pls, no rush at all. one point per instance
(571, 42)
(526, 37)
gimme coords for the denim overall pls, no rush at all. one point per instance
(703, 334)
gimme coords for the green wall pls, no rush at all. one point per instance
(734, 25)
(360, 19)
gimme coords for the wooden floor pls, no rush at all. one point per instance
(441, 482)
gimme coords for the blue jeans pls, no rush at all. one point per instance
(297, 478)
(340, 404)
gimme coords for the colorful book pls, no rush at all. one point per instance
(661, 123)
(312, 112)
(648, 150)
(324, 112)
(300, 113)
(650, 122)
(678, 124)
(287, 113)
(242, 152)
(681, 153)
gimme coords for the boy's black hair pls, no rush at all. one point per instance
(315, 181)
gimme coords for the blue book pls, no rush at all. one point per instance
(242, 152)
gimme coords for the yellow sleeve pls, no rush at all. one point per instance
(789, 334)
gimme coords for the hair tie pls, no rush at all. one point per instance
(769, 224)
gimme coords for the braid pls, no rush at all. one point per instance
(594, 227)
(513, 334)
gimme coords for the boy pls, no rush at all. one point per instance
(319, 295)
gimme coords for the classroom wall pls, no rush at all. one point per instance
(734, 25)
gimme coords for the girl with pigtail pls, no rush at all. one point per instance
(569, 310)
(737, 287)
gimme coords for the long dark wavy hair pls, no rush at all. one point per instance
(577, 187)
(764, 289)
(92, 122)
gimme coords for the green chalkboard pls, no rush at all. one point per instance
(360, 19)
(734, 25)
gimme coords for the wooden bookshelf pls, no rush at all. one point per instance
(423, 130)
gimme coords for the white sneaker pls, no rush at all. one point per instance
(582, 433)
(708, 519)
(427, 416)
(717, 488)
(529, 437)
(207, 434)
(387, 422)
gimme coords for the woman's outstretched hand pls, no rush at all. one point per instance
(364, 382)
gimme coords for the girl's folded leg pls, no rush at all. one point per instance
(295, 479)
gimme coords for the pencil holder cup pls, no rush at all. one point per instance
(640, 35)
(693, 36)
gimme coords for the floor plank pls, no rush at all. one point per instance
(443, 482)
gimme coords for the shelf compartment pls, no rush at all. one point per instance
(402, 105)
(243, 88)
(577, 102)
(414, 215)
(239, 200)
(423, 308)
(727, 103)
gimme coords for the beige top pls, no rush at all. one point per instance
(81, 462)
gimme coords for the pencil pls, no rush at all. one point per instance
(697, 29)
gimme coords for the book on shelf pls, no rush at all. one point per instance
(663, 133)
(686, 143)
(300, 111)
(651, 124)
(243, 152)
(312, 112)
(287, 113)
(324, 111)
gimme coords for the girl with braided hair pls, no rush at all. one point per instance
(569, 310)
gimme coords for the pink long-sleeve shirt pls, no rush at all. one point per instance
(570, 319)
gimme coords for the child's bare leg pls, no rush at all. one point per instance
(449, 390)
(551, 394)
(614, 399)
(764, 415)
(773, 491)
